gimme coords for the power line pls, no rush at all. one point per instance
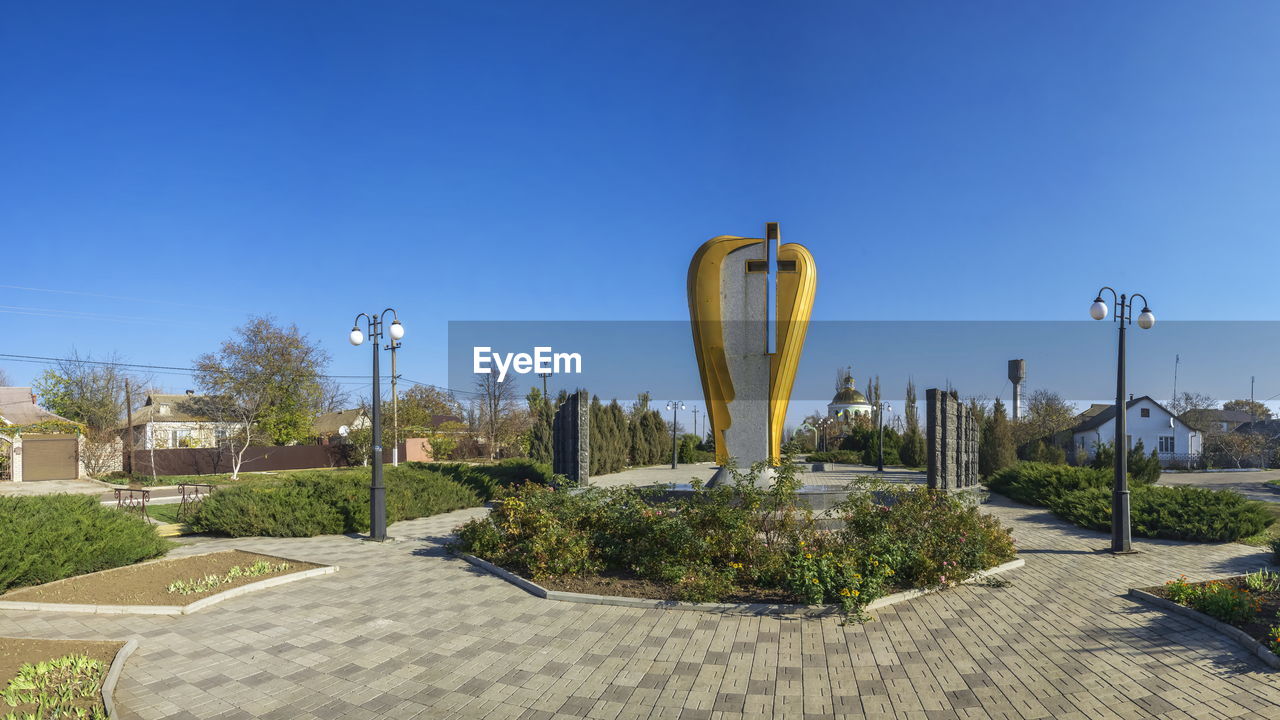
(175, 370)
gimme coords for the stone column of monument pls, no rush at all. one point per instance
(749, 306)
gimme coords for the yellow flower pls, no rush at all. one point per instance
(855, 593)
(808, 556)
(815, 581)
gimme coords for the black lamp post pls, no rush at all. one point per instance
(1121, 533)
(377, 491)
(884, 408)
(674, 406)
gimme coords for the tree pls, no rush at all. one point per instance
(1234, 449)
(1187, 402)
(996, 448)
(88, 391)
(268, 375)
(1256, 410)
(540, 428)
(912, 452)
(1047, 413)
(499, 414)
(4, 379)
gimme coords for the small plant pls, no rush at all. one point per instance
(1275, 548)
(57, 689)
(1216, 599)
(209, 582)
(1262, 581)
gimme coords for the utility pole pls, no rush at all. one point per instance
(544, 377)
(128, 412)
(695, 424)
(395, 407)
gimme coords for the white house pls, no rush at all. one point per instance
(172, 421)
(1147, 421)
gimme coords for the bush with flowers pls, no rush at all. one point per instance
(1217, 599)
(736, 538)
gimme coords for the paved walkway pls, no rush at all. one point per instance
(403, 631)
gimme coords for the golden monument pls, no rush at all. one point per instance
(749, 306)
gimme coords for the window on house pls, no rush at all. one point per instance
(1166, 443)
(1145, 412)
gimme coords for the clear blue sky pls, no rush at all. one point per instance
(200, 161)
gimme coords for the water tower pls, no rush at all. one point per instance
(1017, 374)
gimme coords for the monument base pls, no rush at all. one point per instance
(724, 477)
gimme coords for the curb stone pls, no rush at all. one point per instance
(723, 608)
(1245, 639)
(113, 676)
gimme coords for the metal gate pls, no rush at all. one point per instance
(49, 457)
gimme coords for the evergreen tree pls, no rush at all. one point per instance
(996, 449)
(541, 417)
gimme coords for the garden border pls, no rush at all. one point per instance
(170, 609)
(1235, 633)
(726, 608)
(113, 676)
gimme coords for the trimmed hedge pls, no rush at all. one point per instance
(1042, 483)
(846, 457)
(52, 537)
(486, 480)
(1171, 512)
(304, 504)
(1082, 496)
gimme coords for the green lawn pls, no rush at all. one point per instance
(1264, 538)
(167, 513)
(216, 478)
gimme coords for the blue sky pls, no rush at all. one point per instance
(197, 162)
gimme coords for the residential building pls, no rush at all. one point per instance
(18, 407)
(174, 421)
(327, 425)
(1216, 419)
(1147, 421)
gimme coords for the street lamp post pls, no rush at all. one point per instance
(884, 408)
(377, 491)
(674, 406)
(1121, 533)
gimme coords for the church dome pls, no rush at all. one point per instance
(848, 395)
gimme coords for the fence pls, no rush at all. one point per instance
(209, 461)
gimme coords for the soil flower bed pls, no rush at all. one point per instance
(1250, 602)
(65, 674)
(738, 543)
(177, 581)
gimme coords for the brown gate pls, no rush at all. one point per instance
(49, 457)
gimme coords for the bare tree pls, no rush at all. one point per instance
(4, 378)
(1047, 413)
(237, 410)
(499, 409)
(1187, 402)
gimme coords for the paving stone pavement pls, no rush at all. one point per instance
(405, 631)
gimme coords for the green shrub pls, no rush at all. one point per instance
(1042, 483)
(706, 544)
(1144, 469)
(846, 457)
(304, 504)
(52, 537)
(487, 480)
(1216, 599)
(929, 538)
(1176, 513)
(1275, 550)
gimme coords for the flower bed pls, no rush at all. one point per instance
(54, 678)
(163, 583)
(738, 542)
(1249, 602)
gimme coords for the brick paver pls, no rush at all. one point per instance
(404, 631)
